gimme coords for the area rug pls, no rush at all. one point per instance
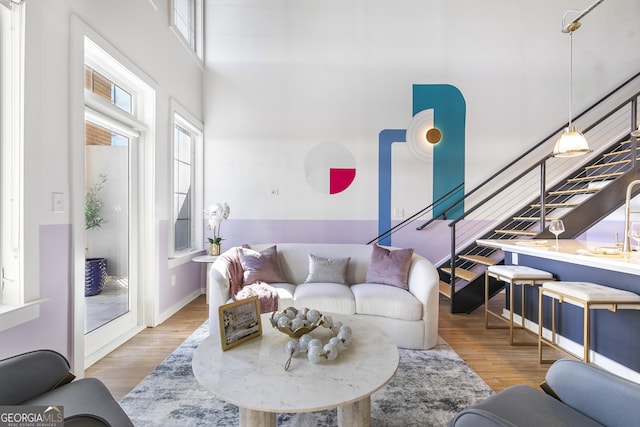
(430, 387)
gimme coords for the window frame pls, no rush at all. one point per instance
(19, 298)
(194, 46)
(182, 118)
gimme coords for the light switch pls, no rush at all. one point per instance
(57, 204)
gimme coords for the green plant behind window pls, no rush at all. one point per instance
(93, 204)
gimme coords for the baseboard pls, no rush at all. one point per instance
(178, 306)
(94, 357)
(577, 350)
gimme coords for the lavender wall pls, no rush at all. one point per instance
(52, 329)
(189, 276)
(432, 244)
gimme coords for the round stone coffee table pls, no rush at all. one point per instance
(252, 376)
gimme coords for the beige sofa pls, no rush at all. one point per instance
(410, 317)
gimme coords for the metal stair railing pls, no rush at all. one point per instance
(408, 221)
(506, 193)
(612, 118)
(525, 179)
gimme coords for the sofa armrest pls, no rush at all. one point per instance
(476, 417)
(423, 284)
(600, 395)
(219, 287)
(30, 374)
(86, 420)
(218, 292)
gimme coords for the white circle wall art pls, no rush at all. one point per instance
(329, 168)
(422, 135)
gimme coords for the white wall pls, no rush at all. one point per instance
(139, 31)
(282, 77)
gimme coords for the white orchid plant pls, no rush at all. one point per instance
(217, 213)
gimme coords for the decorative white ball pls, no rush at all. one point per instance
(297, 323)
(345, 337)
(315, 342)
(336, 341)
(284, 322)
(336, 327)
(313, 316)
(328, 321)
(314, 354)
(347, 329)
(331, 351)
(303, 342)
(289, 313)
(293, 348)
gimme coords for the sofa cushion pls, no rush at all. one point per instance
(262, 266)
(327, 270)
(285, 294)
(387, 301)
(325, 297)
(389, 267)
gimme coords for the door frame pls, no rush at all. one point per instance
(145, 254)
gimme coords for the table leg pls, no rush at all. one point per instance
(357, 414)
(251, 418)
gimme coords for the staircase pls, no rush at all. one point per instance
(585, 197)
(519, 200)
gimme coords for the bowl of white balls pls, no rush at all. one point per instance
(296, 323)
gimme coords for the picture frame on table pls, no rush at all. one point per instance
(239, 322)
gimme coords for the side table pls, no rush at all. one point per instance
(209, 259)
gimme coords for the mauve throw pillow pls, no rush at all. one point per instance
(389, 267)
(261, 266)
(327, 270)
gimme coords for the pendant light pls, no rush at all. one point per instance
(572, 142)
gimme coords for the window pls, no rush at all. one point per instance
(105, 88)
(187, 183)
(183, 180)
(17, 299)
(186, 20)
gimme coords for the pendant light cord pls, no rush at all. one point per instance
(570, 78)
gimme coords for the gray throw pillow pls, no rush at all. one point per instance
(389, 267)
(327, 270)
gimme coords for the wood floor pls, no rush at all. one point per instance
(487, 351)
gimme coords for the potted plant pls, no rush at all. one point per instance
(93, 204)
(216, 213)
(95, 271)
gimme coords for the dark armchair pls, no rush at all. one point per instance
(577, 394)
(42, 377)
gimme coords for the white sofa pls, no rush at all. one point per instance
(410, 318)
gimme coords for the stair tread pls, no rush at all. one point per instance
(533, 218)
(462, 273)
(615, 153)
(595, 177)
(556, 205)
(522, 232)
(444, 288)
(576, 191)
(479, 259)
(602, 165)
